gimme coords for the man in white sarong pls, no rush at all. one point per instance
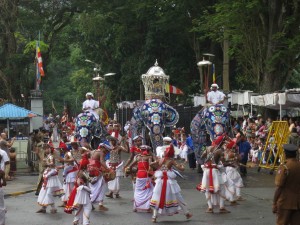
(90, 104)
(96, 166)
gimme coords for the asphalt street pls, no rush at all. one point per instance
(256, 209)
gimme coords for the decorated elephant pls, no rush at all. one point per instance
(212, 121)
(155, 115)
(89, 129)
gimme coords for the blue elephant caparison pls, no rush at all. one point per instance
(155, 115)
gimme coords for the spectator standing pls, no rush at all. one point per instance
(294, 139)
(244, 150)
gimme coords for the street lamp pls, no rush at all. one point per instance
(203, 64)
(99, 78)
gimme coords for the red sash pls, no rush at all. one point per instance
(69, 206)
(163, 191)
(211, 182)
(72, 170)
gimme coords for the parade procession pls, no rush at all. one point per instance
(144, 112)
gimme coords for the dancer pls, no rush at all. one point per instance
(167, 199)
(116, 164)
(134, 151)
(234, 181)
(51, 186)
(69, 175)
(143, 187)
(96, 168)
(82, 203)
(212, 182)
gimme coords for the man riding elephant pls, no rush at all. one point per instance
(215, 96)
(90, 104)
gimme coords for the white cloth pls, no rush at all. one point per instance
(269, 99)
(50, 188)
(171, 205)
(2, 207)
(160, 150)
(257, 100)
(281, 98)
(114, 185)
(294, 98)
(5, 159)
(83, 204)
(184, 151)
(82, 196)
(215, 96)
(233, 183)
(142, 193)
(234, 98)
(199, 100)
(205, 186)
(98, 190)
(92, 105)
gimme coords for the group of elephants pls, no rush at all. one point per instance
(155, 115)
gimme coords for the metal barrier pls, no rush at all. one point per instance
(273, 153)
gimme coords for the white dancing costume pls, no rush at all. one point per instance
(98, 190)
(51, 186)
(83, 206)
(166, 198)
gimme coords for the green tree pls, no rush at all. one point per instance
(264, 39)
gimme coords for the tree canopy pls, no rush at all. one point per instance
(126, 37)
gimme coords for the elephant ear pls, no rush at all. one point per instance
(171, 117)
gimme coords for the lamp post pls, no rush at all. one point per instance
(98, 78)
(202, 65)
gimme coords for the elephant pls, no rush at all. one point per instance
(89, 129)
(209, 123)
(155, 115)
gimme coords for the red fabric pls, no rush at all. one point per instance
(69, 206)
(217, 141)
(230, 144)
(143, 168)
(163, 191)
(84, 161)
(63, 146)
(73, 170)
(116, 134)
(211, 182)
(94, 167)
(170, 151)
(135, 149)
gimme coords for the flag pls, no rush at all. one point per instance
(173, 90)
(213, 73)
(39, 61)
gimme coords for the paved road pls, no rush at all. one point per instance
(255, 210)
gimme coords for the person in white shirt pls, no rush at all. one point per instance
(90, 104)
(215, 97)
